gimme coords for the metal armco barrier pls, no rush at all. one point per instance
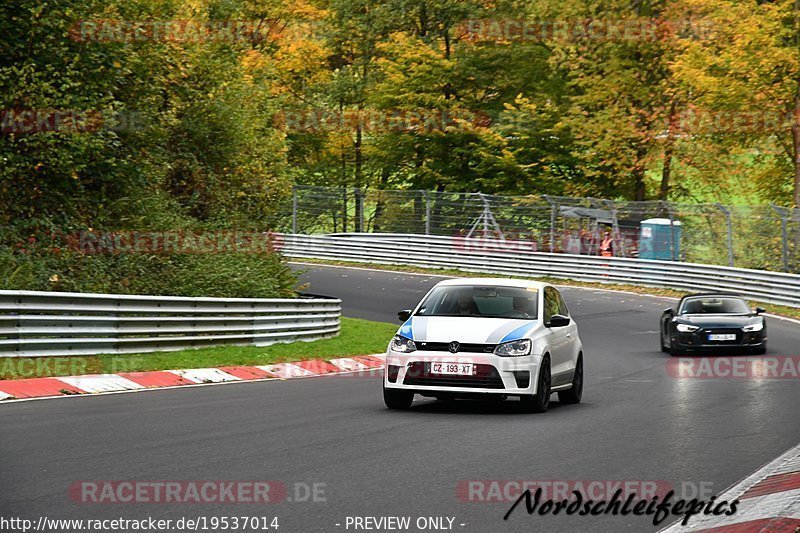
(57, 323)
(512, 258)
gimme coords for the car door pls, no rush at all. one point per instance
(560, 339)
(572, 343)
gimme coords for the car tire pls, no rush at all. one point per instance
(397, 398)
(574, 394)
(664, 347)
(675, 351)
(539, 402)
(759, 351)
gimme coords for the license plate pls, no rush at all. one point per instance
(722, 337)
(454, 369)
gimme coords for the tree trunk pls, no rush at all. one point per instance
(796, 142)
(796, 123)
(344, 179)
(639, 186)
(381, 201)
(796, 154)
(669, 147)
(359, 171)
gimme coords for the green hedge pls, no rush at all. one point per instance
(40, 265)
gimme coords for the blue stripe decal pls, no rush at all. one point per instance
(406, 330)
(516, 334)
(501, 332)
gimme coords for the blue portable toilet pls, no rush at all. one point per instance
(655, 241)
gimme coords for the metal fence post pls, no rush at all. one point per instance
(671, 215)
(729, 223)
(486, 215)
(793, 238)
(614, 226)
(344, 209)
(427, 212)
(553, 216)
(784, 214)
(359, 198)
(294, 209)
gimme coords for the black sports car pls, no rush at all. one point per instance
(713, 321)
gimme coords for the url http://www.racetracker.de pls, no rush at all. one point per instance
(46, 524)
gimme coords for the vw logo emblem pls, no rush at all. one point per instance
(453, 346)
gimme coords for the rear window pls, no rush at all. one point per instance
(481, 301)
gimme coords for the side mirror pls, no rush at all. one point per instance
(558, 321)
(404, 315)
(760, 310)
(669, 311)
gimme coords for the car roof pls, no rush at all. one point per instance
(499, 282)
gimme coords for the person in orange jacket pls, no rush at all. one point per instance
(607, 245)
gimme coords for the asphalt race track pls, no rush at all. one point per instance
(637, 422)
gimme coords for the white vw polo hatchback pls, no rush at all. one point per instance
(486, 338)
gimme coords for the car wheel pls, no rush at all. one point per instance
(397, 399)
(759, 351)
(672, 350)
(574, 394)
(539, 402)
(664, 347)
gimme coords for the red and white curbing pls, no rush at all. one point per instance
(51, 387)
(769, 501)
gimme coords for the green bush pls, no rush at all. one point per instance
(54, 263)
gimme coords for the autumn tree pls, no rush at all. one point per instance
(747, 67)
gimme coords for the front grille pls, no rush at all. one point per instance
(464, 347)
(485, 377)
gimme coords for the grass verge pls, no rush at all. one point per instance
(774, 309)
(357, 337)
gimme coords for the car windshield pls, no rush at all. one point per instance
(481, 301)
(714, 306)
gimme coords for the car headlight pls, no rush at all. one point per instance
(403, 345)
(686, 328)
(514, 348)
(758, 326)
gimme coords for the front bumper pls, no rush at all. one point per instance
(492, 374)
(699, 340)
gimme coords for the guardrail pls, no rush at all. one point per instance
(512, 258)
(57, 323)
